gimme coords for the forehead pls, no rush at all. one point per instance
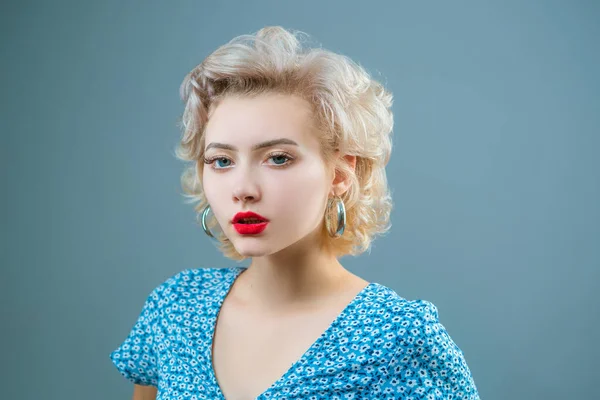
(246, 120)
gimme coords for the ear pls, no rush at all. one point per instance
(341, 183)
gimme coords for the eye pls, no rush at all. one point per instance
(220, 162)
(280, 159)
(226, 161)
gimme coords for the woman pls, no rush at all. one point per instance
(288, 148)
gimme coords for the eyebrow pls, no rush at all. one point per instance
(262, 145)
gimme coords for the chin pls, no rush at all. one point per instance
(252, 250)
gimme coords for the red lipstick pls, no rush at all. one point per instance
(249, 223)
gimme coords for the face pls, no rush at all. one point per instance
(262, 155)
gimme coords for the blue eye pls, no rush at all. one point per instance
(223, 159)
(222, 163)
(215, 160)
(282, 158)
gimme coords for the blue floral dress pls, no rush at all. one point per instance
(381, 346)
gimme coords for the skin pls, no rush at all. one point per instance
(294, 287)
(141, 392)
(288, 264)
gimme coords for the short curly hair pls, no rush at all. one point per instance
(352, 114)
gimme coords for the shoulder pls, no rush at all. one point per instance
(411, 325)
(421, 356)
(401, 312)
(192, 283)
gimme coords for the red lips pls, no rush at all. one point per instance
(257, 224)
(247, 215)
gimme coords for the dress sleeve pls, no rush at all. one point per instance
(136, 358)
(427, 363)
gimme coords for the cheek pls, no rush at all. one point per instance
(207, 185)
(214, 191)
(302, 192)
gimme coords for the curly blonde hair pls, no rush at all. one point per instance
(352, 114)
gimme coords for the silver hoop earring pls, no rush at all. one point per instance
(341, 217)
(204, 226)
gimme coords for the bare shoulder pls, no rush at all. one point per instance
(356, 282)
(141, 392)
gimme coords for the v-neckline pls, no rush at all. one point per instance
(219, 304)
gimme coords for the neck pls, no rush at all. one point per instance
(302, 274)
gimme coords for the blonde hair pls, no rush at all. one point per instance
(352, 114)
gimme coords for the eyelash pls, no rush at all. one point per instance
(210, 161)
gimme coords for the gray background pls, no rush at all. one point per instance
(494, 175)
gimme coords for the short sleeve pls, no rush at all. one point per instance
(427, 363)
(136, 358)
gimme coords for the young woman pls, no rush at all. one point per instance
(288, 147)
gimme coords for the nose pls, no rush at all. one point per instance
(244, 198)
(246, 190)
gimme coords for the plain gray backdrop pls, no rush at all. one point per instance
(494, 175)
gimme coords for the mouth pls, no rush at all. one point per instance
(248, 218)
(249, 223)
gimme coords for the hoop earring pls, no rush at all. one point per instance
(341, 217)
(204, 226)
